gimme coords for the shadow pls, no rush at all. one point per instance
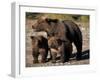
(85, 55)
(10, 75)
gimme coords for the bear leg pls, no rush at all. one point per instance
(35, 56)
(54, 54)
(79, 50)
(43, 53)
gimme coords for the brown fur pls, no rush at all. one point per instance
(64, 49)
(39, 47)
(66, 32)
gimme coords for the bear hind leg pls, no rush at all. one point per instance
(79, 50)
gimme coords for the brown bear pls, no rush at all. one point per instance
(74, 34)
(53, 45)
(39, 47)
(66, 32)
(58, 47)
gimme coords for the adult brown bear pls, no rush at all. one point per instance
(66, 32)
(74, 35)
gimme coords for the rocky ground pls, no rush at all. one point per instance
(85, 55)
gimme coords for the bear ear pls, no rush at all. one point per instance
(55, 20)
(47, 20)
(51, 20)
